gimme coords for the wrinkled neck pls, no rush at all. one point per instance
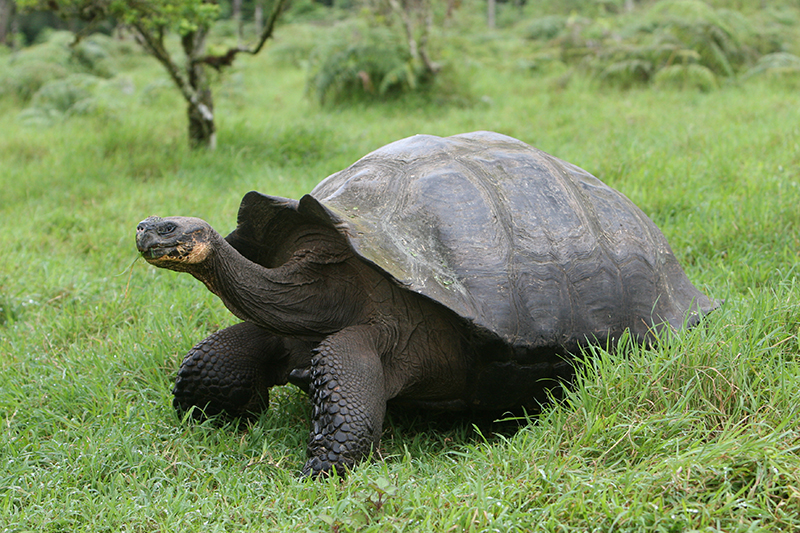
(296, 299)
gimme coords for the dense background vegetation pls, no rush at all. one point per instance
(690, 108)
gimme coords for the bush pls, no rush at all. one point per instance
(779, 67)
(545, 28)
(693, 42)
(627, 73)
(27, 71)
(61, 95)
(295, 45)
(686, 77)
(363, 64)
(24, 78)
(75, 94)
(95, 55)
(780, 63)
(718, 37)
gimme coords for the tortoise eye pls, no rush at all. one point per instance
(166, 229)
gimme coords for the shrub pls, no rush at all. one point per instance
(718, 37)
(75, 94)
(24, 78)
(27, 71)
(627, 72)
(363, 64)
(781, 67)
(63, 94)
(779, 63)
(546, 28)
(95, 55)
(296, 44)
(693, 42)
(690, 76)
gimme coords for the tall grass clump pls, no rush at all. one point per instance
(362, 63)
(672, 43)
(63, 75)
(382, 55)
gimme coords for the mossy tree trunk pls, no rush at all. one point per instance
(7, 11)
(192, 83)
(202, 132)
(416, 18)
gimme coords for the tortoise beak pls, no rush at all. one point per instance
(149, 242)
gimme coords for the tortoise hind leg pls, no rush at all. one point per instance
(348, 396)
(230, 372)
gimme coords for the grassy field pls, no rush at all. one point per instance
(699, 434)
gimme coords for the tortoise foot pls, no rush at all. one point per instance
(229, 373)
(349, 405)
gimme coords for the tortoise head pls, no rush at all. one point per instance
(176, 243)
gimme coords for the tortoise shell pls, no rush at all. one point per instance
(522, 245)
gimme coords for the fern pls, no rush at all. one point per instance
(685, 34)
(778, 65)
(627, 73)
(546, 28)
(368, 63)
(692, 76)
(782, 61)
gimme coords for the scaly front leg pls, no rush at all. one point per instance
(231, 371)
(349, 398)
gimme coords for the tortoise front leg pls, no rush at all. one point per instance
(349, 399)
(231, 371)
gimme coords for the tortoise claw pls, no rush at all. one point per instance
(324, 467)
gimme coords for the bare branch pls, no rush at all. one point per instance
(409, 27)
(417, 49)
(155, 46)
(226, 59)
(269, 26)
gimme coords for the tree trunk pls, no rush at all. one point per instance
(202, 131)
(191, 80)
(7, 11)
(417, 20)
(236, 7)
(259, 16)
(451, 7)
(491, 13)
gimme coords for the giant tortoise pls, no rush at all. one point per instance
(458, 273)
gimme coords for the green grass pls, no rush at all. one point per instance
(700, 433)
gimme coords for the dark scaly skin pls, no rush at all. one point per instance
(374, 341)
(349, 400)
(323, 316)
(231, 371)
(472, 266)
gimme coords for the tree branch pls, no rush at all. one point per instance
(408, 26)
(155, 46)
(226, 59)
(417, 49)
(269, 26)
(432, 67)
